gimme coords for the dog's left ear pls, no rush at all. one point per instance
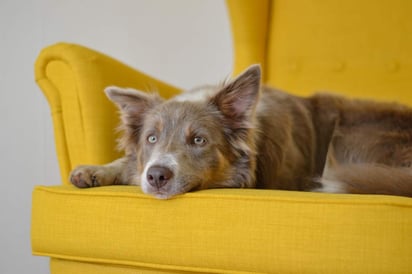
(237, 99)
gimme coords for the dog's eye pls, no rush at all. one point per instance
(152, 139)
(199, 141)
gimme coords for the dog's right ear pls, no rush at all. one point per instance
(132, 102)
(133, 105)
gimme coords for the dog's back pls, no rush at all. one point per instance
(332, 144)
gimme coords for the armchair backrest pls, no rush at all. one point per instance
(357, 48)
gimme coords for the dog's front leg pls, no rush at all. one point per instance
(113, 173)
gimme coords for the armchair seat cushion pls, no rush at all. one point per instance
(223, 230)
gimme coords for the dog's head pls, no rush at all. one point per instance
(197, 140)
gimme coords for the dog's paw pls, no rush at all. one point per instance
(91, 176)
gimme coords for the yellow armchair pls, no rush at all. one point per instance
(351, 46)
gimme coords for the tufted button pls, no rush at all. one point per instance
(392, 66)
(338, 66)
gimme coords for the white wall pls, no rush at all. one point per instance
(184, 42)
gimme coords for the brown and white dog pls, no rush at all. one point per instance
(239, 135)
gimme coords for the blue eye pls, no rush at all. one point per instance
(199, 141)
(152, 139)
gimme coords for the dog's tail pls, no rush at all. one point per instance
(367, 179)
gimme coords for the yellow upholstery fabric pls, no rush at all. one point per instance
(356, 48)
(225, 231)
(70, 267)
(360, 48)
(250, 26)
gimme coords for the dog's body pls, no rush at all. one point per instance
(239, 135)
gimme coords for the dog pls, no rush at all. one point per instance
(241, 135)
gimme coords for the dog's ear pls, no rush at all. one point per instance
(133, 104)
(131, 101)
(237, 99)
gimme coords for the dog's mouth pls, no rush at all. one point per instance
(162, 195)
(169, 190)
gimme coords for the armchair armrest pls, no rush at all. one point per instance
(72, 78)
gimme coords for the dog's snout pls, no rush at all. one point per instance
(158, 176)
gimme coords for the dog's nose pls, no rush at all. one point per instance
(158, 176)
